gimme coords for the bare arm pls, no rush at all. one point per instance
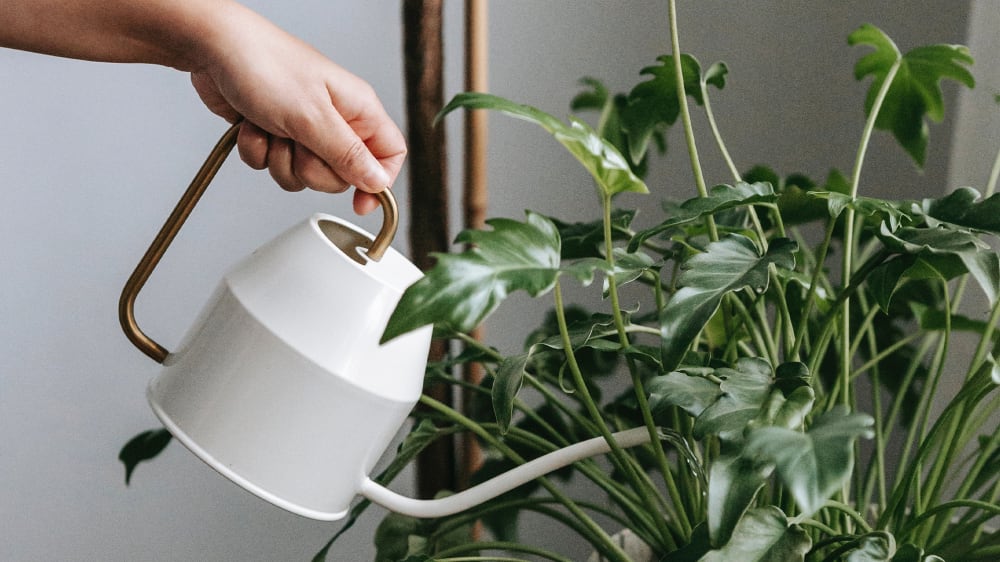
(309, 121)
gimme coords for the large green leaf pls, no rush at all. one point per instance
(690, 392)
(654, 103)
(726, 266)
(720, 198)
(939, 247)
(586, 240)
(964, 207)
(880, 209)
(744, 389)
(733, 483)
(462, 289)
(915, 92)
(609, 125)
(763, 535)
(873, 547)
(813, 465)
(608, 167)
(880, 546)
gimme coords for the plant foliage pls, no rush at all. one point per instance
(753, 350)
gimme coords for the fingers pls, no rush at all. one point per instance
(338, 143)
(293, 166)
(364, 202)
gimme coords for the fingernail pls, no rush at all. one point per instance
(376, 178)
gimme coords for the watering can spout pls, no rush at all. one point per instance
(503, 483)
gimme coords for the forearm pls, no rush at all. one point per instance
(166, 32)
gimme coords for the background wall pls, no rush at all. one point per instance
(93, 157)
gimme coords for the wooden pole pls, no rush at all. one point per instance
(423, 56)
(475, 197)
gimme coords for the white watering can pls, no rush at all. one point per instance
(281, 384)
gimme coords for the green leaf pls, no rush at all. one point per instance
(938, 248)
(789, 412)
(763, 535)
(744, 389)
(720, 198)
(873, 547)
(586, 240)
(607, 166)
(915, 93)
(143, 447)
(726, 266)
(509, 375)
(509, 378)
(733, 483)
(912, 553)
(654, 103)
(691, 393)
(963, 207)
(392, 537)
(693, 550)
(462, 289)
(629, 266)
(880, 546)
(716, 75)
(813, 465)
(596, 98)
(881, 209)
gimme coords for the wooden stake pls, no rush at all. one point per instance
(475, 199)
(423, 67)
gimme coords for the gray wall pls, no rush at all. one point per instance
(93, 157)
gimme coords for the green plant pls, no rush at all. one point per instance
(773, 377)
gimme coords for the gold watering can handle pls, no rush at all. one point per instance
(126, 304)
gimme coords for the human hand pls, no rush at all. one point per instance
(308, 121)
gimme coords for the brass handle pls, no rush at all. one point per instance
(126, 304)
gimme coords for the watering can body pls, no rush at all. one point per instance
(281, 384)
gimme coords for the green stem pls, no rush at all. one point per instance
(445, 555)
(619, 494)
(991, 183)
(947, 506)
(968, 397)
(597, 536)
(824, 247)
(685, 112)
(715, 132)
(850, 512)
(985, 341)
(640, 392)
(591, 406)
(785, 315)
(481, 559)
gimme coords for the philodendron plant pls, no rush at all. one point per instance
(793, 398)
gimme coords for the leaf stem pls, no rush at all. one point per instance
(447, 554)
(598, 537)
(718, 136)
(850, 226)
(699, 175)
(596, 417)
(638, 388)
(991, 183)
